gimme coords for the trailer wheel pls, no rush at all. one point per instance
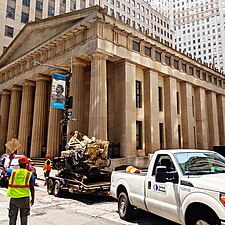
(125, 209)
(50, 186)
(57, 189)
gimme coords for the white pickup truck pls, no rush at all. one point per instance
(185, 186)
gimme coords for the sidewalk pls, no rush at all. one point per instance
(40, 172)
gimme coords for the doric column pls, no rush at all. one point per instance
(4, 116)
(125, 108)
(171, 122)
(201, 118)
(54, 138)
(39, 128)
(221, 118)
(187, 115)
(212, 119)
(77, 90)
(98, 97)
(14, 112)
(151, 111)
(54, 131)
(26, 117)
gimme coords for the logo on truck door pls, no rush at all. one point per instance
(159, 188)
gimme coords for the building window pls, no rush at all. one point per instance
(160, 99)
(204, 76)
(136, 46)
(178, 103)
(167, 60)
(179, 136)
(24, 17)
(184, 67)
(148, 51)
(138, 94)
(26, 2)
(193, 106)
(9, 31)
(10, 13)
(198, 73)
(215, 80)
(161, 136)
(39, 6)
(138, 135)
(158, 56)
(191, 71)
(176, 64)
(210, 78)
(51, 11)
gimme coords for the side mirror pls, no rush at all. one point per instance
(163, 176)
(160, 175)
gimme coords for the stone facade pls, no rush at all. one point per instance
(128, 88)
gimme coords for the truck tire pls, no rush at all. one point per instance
(50, 186)
(57, 189)
(202, 222)
(125, 209)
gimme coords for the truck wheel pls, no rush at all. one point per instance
(125, 209)
(50, 186)
(202, 222)
(57, 189)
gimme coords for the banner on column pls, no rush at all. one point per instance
(58, 91)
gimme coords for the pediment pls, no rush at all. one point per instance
(38, 33)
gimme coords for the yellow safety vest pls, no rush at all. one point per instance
(19, 184)
(46, 166)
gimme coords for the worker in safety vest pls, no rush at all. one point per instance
(21, 185)
(47, 166)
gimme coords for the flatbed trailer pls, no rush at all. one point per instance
(67, 182)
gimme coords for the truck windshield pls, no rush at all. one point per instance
(200, 163)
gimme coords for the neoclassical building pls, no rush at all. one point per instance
(127, 87)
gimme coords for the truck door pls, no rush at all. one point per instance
(163, 198)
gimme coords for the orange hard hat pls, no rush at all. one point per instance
(48, 155)
(23, 160)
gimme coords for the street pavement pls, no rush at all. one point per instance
(72, 209)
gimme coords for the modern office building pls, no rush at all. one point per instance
(199, 28)
(15, 14)
(127, 87)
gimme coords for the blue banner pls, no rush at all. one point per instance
(58, 91)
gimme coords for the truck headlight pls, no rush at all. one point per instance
(222, 198)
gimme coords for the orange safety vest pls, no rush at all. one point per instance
(19, 184)
(46, 166)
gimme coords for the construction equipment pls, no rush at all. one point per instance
(81, 167)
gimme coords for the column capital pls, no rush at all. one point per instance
(42, 78)
(79, 63)
(6, 92)
(16, 88)
(28, 83)
(99, 55)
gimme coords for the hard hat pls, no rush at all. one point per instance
(23, 160)
(48, 155)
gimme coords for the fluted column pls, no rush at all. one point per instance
(151, 111)
(221, 118)
(212, 119)
(77, 90)
(171, 121)
(14, 112)
(187, 115)
(54, 131)
(4, 113)
(98, 97)
(201, 118)
(26, 116)
(39, 128)
(125, 108)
